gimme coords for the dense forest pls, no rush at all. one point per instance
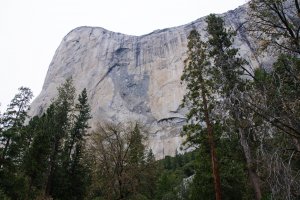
(243, 125)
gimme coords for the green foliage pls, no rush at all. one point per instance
(13, 143)
(280, 107)
(36, 161)
(234, 181)
(226, 66)
(199, 181)
(45, 158)
(275, 23)
(69, 175)
(172, 173)
(75, 176)
(4, 196)
(280, 87)
(11, 127)
(199, 85)
(212, 74)
(275, 96)
(122, 168)
(62, 120)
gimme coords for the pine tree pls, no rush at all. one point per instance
(12, 123)
(63, 108)
(54, 162)
(200, 99)
(75, 172)
(136, 149)
(80, 126)
(12, 146)
(227, 73)
(150, 174)
(37, 159)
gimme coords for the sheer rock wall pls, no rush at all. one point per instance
(132, 78)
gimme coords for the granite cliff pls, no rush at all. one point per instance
(134, 77)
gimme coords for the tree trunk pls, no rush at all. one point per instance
(254, 179)
(214, 161)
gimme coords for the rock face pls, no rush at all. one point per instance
(133, 77)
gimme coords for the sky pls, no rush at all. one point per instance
(31, 30)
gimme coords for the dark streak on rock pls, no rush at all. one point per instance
(172, 120)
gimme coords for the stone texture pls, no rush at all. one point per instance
(133, 77)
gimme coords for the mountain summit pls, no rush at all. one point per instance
(132, 78)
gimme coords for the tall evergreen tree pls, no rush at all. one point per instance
(150, 174)
(12, 146)
(200, 99)
(80, 126)
(54, 162)
(12, 122)
(75, 173)
(63, 108)
(227, 73)
(37, 158)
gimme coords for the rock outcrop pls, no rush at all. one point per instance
(134, 77)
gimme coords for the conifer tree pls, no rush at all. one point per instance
(54, 162)
(63, 108)
(78, 132)
(12, 146)
(200, 99)
(227, 73)
(12, 122)
(75, 171)
(37, 158)
(150, 174)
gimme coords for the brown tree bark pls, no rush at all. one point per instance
(214, 160)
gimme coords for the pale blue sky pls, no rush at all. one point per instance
(31, 30)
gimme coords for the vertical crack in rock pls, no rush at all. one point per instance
(137, 53)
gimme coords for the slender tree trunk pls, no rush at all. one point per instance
(214, 161)
(254, 179)
(48, 190)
